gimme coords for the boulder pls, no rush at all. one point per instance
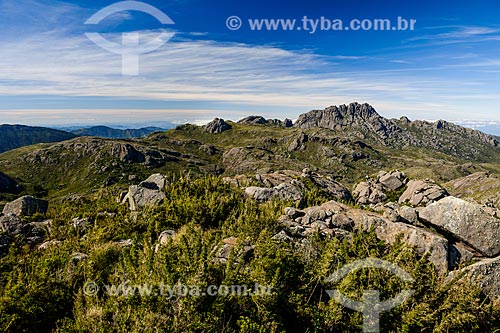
(78, 256)
(486, 273)
(166, 236)
(375, 190)
(26, 206)
(467, 222)
(155, 182)
(124, 243)
(283, 191)
(217, 126)
(141, 197)
(422, 192)
(337, 220)
(391, 181)
(48, 244)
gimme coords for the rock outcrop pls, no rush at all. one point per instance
(288, 185)
(217, 126)
(467, 222)
(26, 206)
(259, 120)
(357, 116)
(283, 191)
(375, 190)
(422, 192)
(485, 273)
(334, 219)
(147, 193)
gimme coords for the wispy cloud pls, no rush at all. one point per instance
(458, 34)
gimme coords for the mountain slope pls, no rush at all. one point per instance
(113, 133)
(346, 145)
(361, 120)
(15, 136)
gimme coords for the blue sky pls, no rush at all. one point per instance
(52, 74)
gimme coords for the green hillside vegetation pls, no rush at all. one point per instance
(86, 164)
(15, 136)
(42, 290)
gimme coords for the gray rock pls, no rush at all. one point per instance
(467, 222)
(282, 236)
(166, 236)
(281, 192)
(422, 192)
(217, 126)
(346, 218)
(26, 206)
(78, 256)
(486, 273)
(342, 221)
(124, 243)
(424, 241)
(375, 190)
(391, 182)
(11, 224)
(409, 215)
(81, 223)
(139, 196)
(48, 244)
(293, 213)
(155, 182)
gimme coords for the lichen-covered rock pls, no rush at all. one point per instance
(333, 219)
(147, 193)
(283, 191)
(155, 182)
(26, 206)
(422, 192)
(467, 222)
(486, 273)
(375, 190)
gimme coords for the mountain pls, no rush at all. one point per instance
(346, 143)
(15, 136)
(90, 225)
(112, 133)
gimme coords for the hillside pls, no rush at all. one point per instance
(347, 149)
(15, 136)
(130, 235)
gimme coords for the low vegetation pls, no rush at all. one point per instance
(47, 290)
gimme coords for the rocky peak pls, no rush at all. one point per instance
(259, 120)
(356, 116)
(216, 126)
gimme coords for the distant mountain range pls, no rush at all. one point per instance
(16, 136)
(113, 133)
